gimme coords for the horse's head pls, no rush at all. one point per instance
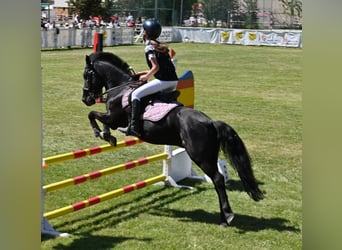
(92, 87)
(103, 70)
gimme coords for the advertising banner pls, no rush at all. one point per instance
(69, 37)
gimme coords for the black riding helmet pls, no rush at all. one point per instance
(152, 28)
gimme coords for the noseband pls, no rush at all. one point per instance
(91, 74)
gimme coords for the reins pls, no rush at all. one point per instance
(133, 84)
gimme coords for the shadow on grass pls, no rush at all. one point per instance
(236, 185)
(88, 241)
(244, 223)
(232, 185)
(152, 200)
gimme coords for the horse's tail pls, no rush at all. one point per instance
(237, 154)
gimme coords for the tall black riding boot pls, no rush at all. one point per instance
(134, 126)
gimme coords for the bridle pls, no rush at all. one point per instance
(90, 74)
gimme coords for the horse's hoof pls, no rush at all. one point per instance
(223, 224)
(97, 133)
(230, 218)
(112, 141)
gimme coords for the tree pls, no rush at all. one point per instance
(87, 8)
(294, 8)
(215, 9)
(107, 10)
(251, 15)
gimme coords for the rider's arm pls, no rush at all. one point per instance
(154, 69)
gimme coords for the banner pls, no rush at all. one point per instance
(270, 38)
(287, 39)
(252, 38)
(226, 36)
(239, 37)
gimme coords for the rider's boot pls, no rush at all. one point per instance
(134, 125)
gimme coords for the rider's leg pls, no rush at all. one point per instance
(154, 86)
(134, 127)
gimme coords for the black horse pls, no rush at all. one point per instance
(201, 137)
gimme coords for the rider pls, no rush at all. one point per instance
(161, 67)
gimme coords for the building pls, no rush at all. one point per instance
(56, 10)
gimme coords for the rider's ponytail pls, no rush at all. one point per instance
(160, 48)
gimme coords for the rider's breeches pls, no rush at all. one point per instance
(152, 87)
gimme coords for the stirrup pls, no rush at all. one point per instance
(127, 131)
(123, 130)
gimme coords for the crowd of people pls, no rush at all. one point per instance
(92, 22)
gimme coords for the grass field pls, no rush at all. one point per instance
(257, 90)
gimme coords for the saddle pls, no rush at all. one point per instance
(156, 106)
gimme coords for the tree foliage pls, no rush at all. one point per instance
(87, 8)
(213, 9)
(171, 12)
(294, 7)
(251, 15)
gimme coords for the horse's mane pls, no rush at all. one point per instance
(111, 58)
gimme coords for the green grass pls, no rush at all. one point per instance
(257, 90)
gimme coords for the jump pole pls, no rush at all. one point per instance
(47, 228)
(106, 196)
(88, 151)
(104, 172)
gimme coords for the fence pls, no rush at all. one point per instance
(68, 38)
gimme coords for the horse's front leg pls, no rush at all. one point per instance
(105, 119)
(107, 136)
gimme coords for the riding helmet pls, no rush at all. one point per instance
(152, 28)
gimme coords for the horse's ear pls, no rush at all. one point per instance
(87, 58)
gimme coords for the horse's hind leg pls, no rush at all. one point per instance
(206, 159)
(226, 212)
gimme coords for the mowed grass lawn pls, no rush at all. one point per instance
(257, 90)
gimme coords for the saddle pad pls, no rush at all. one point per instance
(124, 100)
(158, 110)
(153, 112)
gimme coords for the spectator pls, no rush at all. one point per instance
(43, 24)
(131, 24)
(129, 18)
(76, 19)
(55, 28)
(138, 20)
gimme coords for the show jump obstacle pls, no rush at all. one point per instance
(176, 166)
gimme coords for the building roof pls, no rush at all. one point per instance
(60, 3)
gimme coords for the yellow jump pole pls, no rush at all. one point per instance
(100, 173)
(97, 199)
(89, 151)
